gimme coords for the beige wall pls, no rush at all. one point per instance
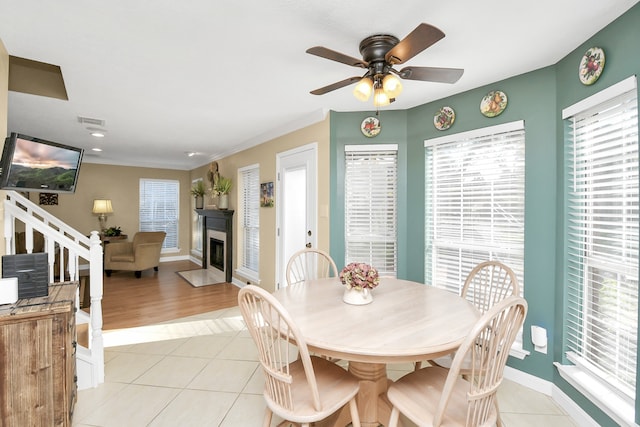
(265, 156)
(121, 185)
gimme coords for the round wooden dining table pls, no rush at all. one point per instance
(406, 322)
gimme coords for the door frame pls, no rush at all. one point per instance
(311, 163)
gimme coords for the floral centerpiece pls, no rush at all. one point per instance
(359, 276)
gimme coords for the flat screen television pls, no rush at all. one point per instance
(33, 164)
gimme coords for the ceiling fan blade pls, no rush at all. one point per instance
(418, 40)
(431, 74)
(336, 85)
(323, 52)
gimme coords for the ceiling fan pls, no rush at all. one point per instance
(380, 52)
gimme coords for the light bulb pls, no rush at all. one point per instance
(380, 98)
(362, 91)
(391, 85)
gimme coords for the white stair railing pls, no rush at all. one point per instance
(73, 251)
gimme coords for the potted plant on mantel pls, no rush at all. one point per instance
(198, 190)
(221, 189)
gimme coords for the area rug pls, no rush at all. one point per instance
(200, 277)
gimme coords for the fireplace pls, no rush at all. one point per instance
(217, 236)
(216, 253)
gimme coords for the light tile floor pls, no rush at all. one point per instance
(203, 371)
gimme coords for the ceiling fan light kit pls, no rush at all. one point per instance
(380, 53)
(384, 92)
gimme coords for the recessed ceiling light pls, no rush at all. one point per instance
(190, 153)
(96, 149)
(98, 132)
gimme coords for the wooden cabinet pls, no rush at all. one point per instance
(37, 359)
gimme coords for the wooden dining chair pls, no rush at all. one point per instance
(300, 388)
(435, 396)
(487, 284)
(310, 264)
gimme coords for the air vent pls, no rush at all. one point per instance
(90, 121)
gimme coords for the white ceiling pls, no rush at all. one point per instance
(214, 77)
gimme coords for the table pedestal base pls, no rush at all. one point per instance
(373, 406)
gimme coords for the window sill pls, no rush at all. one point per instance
(170, 251)
(249, 275)
(518, 352)
(599, 393)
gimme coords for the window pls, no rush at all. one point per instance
(249, 218)
(601, 273)
(474, 203)
(159, 207)
(371, 180)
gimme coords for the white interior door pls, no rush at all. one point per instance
(296, 205)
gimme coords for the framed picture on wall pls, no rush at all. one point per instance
(48, 199)
(266, 195)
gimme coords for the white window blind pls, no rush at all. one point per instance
(250, 210)
(159, 208)
(371, 180)
(601, 146)
(474, 203)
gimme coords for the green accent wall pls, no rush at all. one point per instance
(619, 40)
(345, 130)
(538, 98)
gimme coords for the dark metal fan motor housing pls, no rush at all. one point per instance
(380, 52)
(374, 49)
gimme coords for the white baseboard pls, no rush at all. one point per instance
(529, 381)
(195, 260)
(174, 258)
(237, 282)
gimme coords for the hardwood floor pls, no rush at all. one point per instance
(159, 296)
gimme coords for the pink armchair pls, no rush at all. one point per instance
(140, 254)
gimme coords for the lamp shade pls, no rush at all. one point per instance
(380, 98)
(391, 85)
(363, 89)
(102, 206)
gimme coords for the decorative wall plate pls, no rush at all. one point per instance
(370, 127)
(444, 118)
(591, 66)
(493, 103)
